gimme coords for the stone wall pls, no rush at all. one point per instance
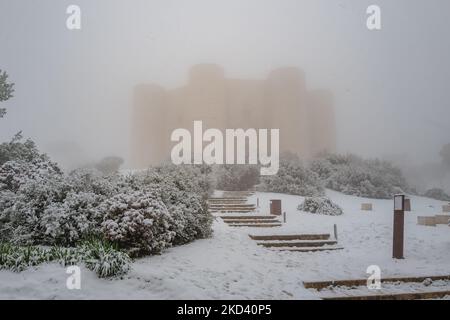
(305, 118)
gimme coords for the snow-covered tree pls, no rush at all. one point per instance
(293, 177)
(356, 176)
(438, 194)
(237, 177)
(6, 90)
(109, 165)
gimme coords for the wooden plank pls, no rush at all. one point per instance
(395, 296)
(254, 225)
(308, 249)
(291, 237)
(318, 243)
(246, 217)
(251, 221)
(362, 282)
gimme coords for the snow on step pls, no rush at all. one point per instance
(397, 296)
(250, 206)
(251, 221)
(291, 237)
(247, 217)
(228, 199)
(361, 282)
(306, 249)
(408, 288)
(255, 225)
(231, 210)
(298, 244)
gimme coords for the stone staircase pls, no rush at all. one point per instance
(231, 202)
(297, 242)
(235, 204)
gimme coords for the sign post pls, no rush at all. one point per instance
(399, 226)
(275, 207)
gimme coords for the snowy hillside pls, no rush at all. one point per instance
(230, 265)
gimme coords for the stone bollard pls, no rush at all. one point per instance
(427, 221)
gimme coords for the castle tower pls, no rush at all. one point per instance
(285, 100)
(323, 124)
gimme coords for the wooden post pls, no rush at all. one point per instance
(335, 232)
(284, 217)
(399, 226)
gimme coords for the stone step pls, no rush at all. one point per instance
(394, 296)
(251, 221)
(228, 199)
(232, 206)
(231, 210)
(239, 193)
(291, 237)
(247, 217)
(255, 225)
(306, 249)
(234, 209)
(318, 285)
(298, 244)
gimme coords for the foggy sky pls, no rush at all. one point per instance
(73, 88)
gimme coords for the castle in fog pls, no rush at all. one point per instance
(281, 101)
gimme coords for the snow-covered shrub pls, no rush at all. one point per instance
(104, 258)
(138, 221)
(320, 205)
(293, 177)
(99, 256)
(142, 212)
(437, 194)
(26, 189)
(19, 258)
(40, 205)
(75, 218)
(65, 256)
(353, 175)
(29, 182)
(93, 181)
(184, 190)
(191, 219)
(237, 177)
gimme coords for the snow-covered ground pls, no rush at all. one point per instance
(231, 266)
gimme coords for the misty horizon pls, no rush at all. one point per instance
(73, 89)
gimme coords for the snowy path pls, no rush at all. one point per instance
(231, 266)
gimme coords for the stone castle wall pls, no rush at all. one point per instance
(305, 118)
